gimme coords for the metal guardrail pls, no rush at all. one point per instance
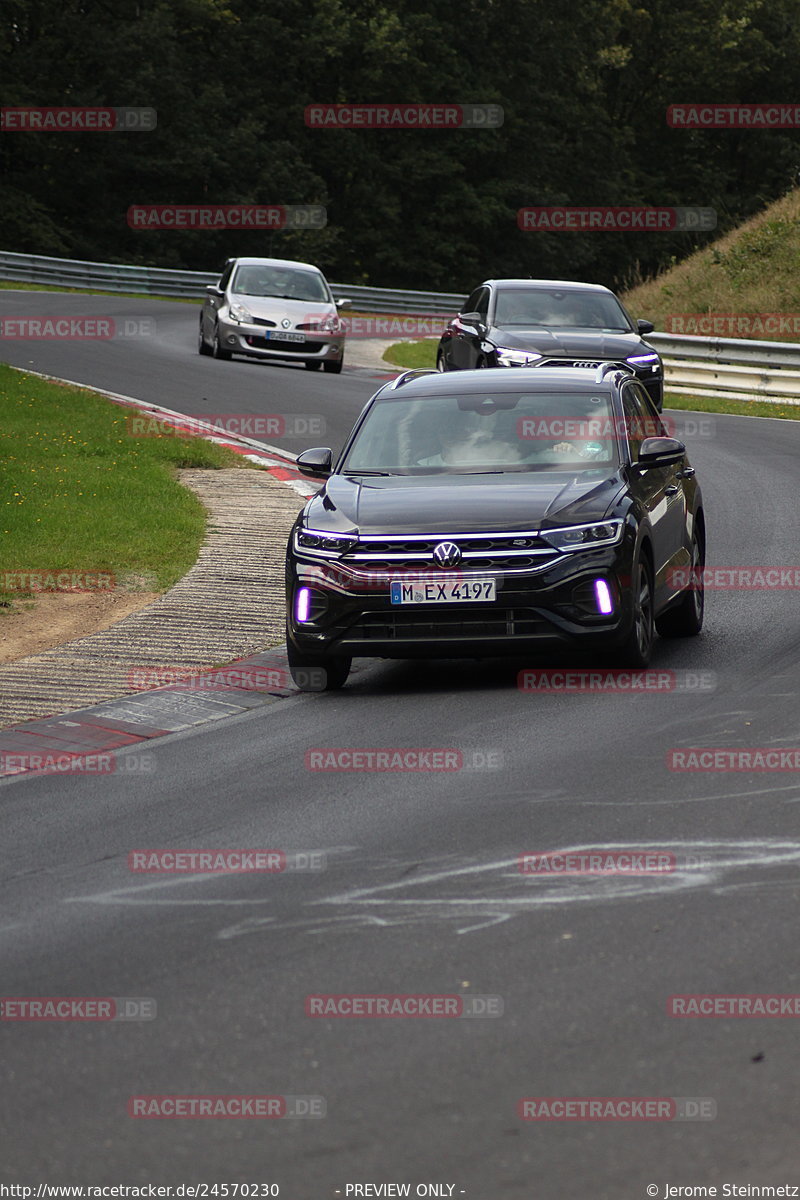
(732, 367)
(158, 281)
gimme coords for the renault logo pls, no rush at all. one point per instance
(286, 322)
(447, 554)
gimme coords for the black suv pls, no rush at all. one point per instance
(481, 514)
(549, 323)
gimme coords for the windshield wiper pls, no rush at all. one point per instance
(370, 472)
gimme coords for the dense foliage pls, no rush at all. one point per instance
(584, 87)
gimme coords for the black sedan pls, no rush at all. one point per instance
(478, 515)
(549, 323)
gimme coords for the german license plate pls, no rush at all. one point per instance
(443, 591)
(281, 336)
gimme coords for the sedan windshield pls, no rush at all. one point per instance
(280, 282)
(568, 309)
(485, 433)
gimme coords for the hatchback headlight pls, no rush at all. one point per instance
(239, 313)
(584, 537)
(516, 358)
(330, 324)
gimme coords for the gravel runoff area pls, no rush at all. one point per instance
(230, 604)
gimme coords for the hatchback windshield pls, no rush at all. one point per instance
(281, 282)
(485, 433)
(568, 309)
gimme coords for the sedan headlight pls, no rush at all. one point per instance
(584, 537)
(516, 358)
(644, 360)
(239, 313)
(320, 542)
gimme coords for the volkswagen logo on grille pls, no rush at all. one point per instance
(286, 322)
(447, 554)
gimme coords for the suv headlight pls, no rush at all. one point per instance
(239, 313)
(584, 537)
(327, 544)
(644, 360)
(516, 358)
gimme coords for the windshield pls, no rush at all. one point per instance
(560, 310)
(486, 433)
(286, 283)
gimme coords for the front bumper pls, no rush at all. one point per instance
(552, 606)
(250, 340)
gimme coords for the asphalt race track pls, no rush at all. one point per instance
(422, 893)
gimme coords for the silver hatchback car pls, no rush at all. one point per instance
(273, 308)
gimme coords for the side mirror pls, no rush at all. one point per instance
(645, 326)
(660, 452)
(344, 303)
(470, 318)
(213, 290)
(317, 462)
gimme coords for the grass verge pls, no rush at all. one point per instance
(78, 493)
(412, 354)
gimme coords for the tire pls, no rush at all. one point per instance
(312, 366)
(685, 619)
(317, 673)
(440, 362)
(333, 368)
(202, 345)
(637, 648)
(218, 351)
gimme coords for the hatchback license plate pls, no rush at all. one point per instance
(443, 591)
(281, 336)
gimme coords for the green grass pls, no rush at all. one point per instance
(412, 354)
(78, 493)
(753, 269)
(737, 408)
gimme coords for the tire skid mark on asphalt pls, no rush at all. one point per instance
(720, 857)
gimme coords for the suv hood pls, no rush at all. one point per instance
(450, 504)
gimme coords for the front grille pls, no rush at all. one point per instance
(264, 321)
(259, 343)
(479, 552)
(413, 626)
(574, 362)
